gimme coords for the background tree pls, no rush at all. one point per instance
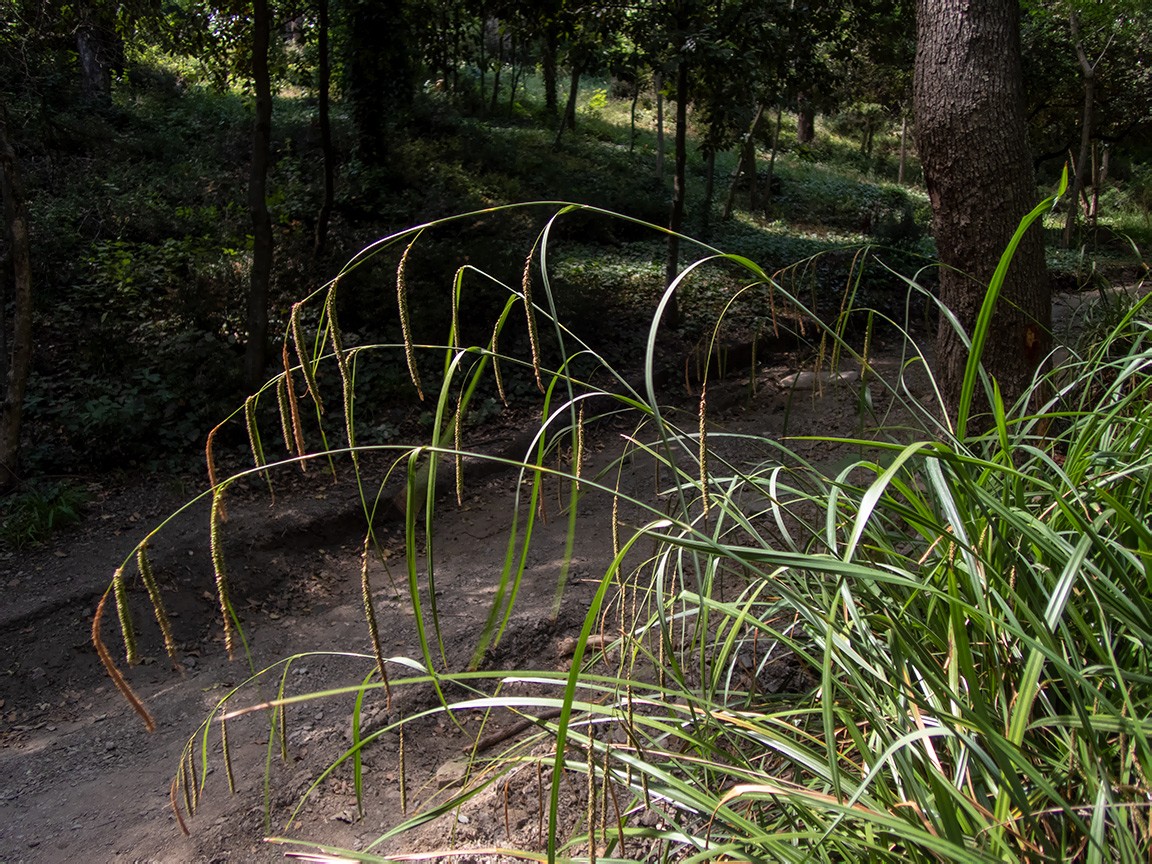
(972, 140)
(16, 380)
(256, 349)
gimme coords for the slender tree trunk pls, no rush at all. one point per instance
(548, 66)
(321, 239)
(499, 66)
(1098, 181)
(1082, 164)
(709, 191)
(741, 164)
(672, 265)
(483, 58)
(569, 118)
(255, 352)
(515, 75)
(16, 220)
(971, 135)
(632, 114)
(772, 158)
(659, 80)
(805, 121)
(750, 163)
(903, 149)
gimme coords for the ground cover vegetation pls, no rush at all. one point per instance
(966, 596)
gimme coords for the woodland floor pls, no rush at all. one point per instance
(81, 779)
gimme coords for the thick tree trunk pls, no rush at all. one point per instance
(676, 220)
(805, 121)
(972, 140)
(96, 47)
(255, 351)
(321, 239)
(16, 220)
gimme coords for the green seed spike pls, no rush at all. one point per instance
(704, 449)
(591, 795)
(405, 326)
(132, 656)
(253, 436)
(283, 733)
(192, 776)
(370, 614)
(342, 365)
(496, 364)
(403, 781)
(221, 574)
(301, 354)
(459, 455)
(158, 609)
(186, 786)
(533, 335)
(579, 457)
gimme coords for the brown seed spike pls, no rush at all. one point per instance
(176, 809)
(113, 672)
(529, 310)
(405, 326)
(294, 410)
(227, 755)
(221, 574)
(211, 458)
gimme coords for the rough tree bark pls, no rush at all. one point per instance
(971, 136)
(321, 239)
(256, 350)
(16, 220)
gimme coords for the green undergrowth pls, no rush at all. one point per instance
(934, 650)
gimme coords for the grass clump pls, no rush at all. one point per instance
(30, 516)
(933, 650)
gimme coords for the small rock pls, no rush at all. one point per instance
(451, 774)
